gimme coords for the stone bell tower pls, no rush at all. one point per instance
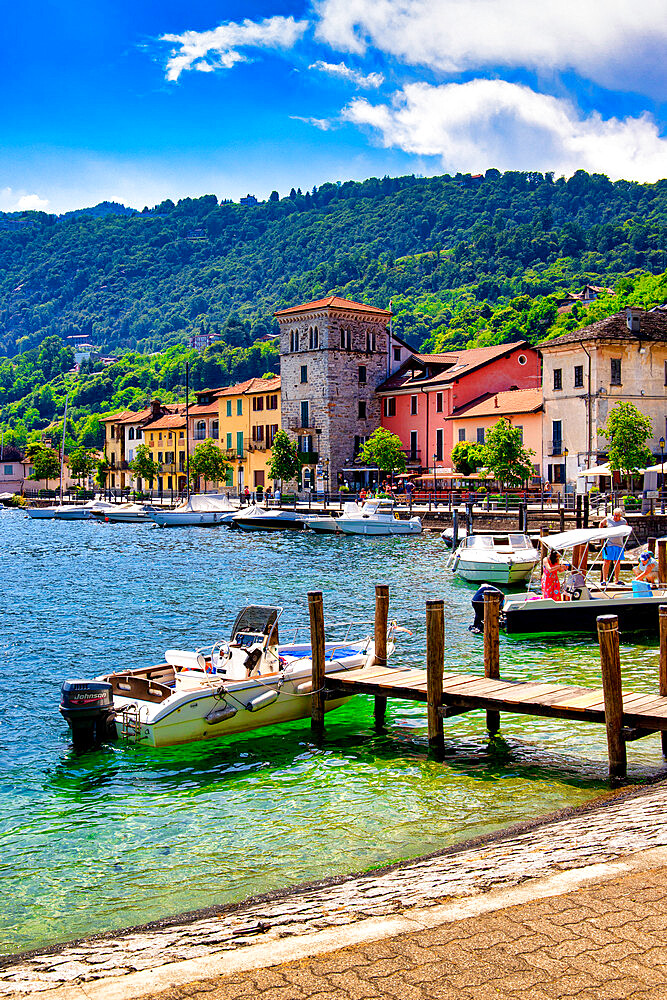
(333, 355)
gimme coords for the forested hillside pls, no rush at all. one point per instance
(464, 261)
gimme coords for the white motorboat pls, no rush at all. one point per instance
(256, 518)
(327, 523)
(201, 509)
(230, 687)
(82, 512)
(377, 517)
(125, 513)
(500, 558)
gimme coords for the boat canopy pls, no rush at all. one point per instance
(582, 536)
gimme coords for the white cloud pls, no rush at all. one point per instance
(347, 73)
(492, 123)
(219, 48)
(20, 201)
(323, 124)
(614, 42)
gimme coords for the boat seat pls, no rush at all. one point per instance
(185, 658)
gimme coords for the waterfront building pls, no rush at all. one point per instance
(123, 433)
(334, 353)
(12, 473)
(585, 372)
(422, 399)
(165, 439)
(522, 407)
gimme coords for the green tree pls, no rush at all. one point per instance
(82, 461)
(143, 466)
(628, 430)
(468, 457)
(285, 464)
(505, 455)
(385, 450)
(209, 463)
(45, 465)
(101, 471)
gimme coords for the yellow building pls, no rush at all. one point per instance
(123, 433)
(165, 439)
(242, 420)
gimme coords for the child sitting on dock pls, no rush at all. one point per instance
(551, 567)
(647, 567)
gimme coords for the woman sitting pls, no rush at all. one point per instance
(551, 567)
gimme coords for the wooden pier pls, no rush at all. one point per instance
(627, 717)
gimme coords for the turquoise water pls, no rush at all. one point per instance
(124, 834)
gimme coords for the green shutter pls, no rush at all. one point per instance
(229, 441)
(229, 407)
(239, 442)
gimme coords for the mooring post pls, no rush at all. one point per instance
(587, 509)
(435, 666)
(455, 528)
(544, 549)
(662, 560)
(316, 609)
(662, 680)
(579, 513)
(492, 601)
(561, 513)
(610, 661)
(650, 544)
(381, 617)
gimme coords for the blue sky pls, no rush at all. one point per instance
(141, 101)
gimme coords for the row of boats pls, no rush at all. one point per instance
(374, 517)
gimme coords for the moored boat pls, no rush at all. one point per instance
(199, 509)
(377, 517)
(125, 513)
(230, 687)
(258, 518)
(327, 523)
(500, 558)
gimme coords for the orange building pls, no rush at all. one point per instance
(522, 407)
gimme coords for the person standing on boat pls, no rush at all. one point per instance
(551, 567)
(612, 553)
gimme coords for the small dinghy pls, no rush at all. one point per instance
(502, 559)
(231, 687)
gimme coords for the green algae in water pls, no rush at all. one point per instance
(124, 835)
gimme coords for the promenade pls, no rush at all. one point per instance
(572, 906)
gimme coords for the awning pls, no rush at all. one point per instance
(581, 536)
(597, 470)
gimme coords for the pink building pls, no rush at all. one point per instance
(420, 401)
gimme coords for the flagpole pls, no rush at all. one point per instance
(187, 430)
(62, 450)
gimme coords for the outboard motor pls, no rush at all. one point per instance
(478, 605)
(87, 707)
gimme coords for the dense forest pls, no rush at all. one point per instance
(463, 260)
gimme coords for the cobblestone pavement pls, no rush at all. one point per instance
(606, 941)
(620, 827)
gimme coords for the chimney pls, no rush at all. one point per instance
(495, 401)
(633, 319)
(156, 409)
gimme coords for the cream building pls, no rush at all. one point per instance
(585, 372)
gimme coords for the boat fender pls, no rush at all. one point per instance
(262, 700)
(221, 713)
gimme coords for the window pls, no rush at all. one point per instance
(258, 401)
(439, 449)
(294, 341)
(414, 446)
(362, 409)
(259, 477)
(520, 430)
(181, 461)
(200, 430)
(130, 455)
(130, 434)
(258, 432)
(272, 402)
(304, 373)
(558, 378)
(359, 441)
(413, 405)
(239, 444)
(390, 406)
(462, 433)
(239, 407)
(305, 414)
(616, 371)
(170, 483)
(397, 355)
(181, 435)
(556, 437)
(522, 359)
(370, 342)
(480, 435)
(362, 374)
(273, 430)
(578, 376)
(229, 407)
(313, 338)
(113, 431)
(159, 437)
(169, 457)
(229, 440)
(140, 433)
(159, 457)
(346, 340)
(438, 402)
(215, 429)
(9, 470)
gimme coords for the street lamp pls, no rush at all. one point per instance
(565, 454)
(661, 442)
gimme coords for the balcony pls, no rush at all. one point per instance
(230, 453)
(199, 436)
(295, 424)
(554, 447)
(412, 455)
(308, 457)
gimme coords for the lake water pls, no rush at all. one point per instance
(124, 835)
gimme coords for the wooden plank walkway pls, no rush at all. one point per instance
(466, 692)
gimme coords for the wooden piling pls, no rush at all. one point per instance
(662, 560)
(381, 619)
(492, 601)
(579, 511)
(455, 528)
(650, 545)
(544, 549)
(587, 509)
(316, 610)
(662, 679)
(435, 667)
(561, 515)
(610, 661)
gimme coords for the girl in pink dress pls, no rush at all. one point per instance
(551, 567)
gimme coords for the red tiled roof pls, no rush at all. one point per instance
(333, 302)
(201, 408)
(452, 365)
(251, 385)
(652, 326)
(502, 403)
(168, 420)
